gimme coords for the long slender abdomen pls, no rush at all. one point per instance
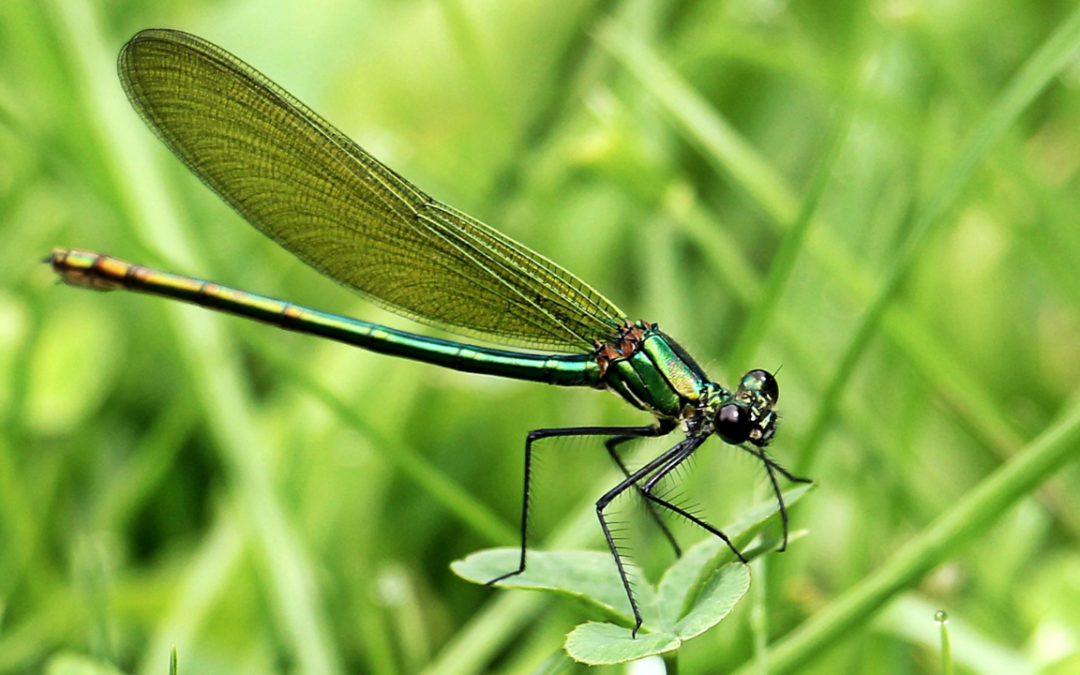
(94, 271)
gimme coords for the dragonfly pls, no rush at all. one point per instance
(314, 191)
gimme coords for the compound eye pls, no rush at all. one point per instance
(733, 424)
(762, 381)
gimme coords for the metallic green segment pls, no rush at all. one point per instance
(648, 388)
(615, 381)
(682, 373)
(100, 272)
(306, 185)
(660, 377)
(661, 397)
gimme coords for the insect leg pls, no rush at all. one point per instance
(540, 434)
(612, 445)
(632, 481)
(690, 445)
(770, 467)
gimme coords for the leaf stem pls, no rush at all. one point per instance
(671, 662)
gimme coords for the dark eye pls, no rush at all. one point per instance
(762, 381)
(733, 424)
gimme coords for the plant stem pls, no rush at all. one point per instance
(671, 662)
(946, 649)
(942, 539)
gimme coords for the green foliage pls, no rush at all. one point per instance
(946, 650)
(879, 198)
(589, 577)
(77, 664)
(695, 593)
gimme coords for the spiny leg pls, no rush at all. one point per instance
(540, 434)
(691, 444)
(770, 466)
(632, 481)
(612, 445)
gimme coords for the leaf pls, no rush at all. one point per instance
(742, 534)
(720, 590)
(604, 644)
(590, 577)
(680, 577)
(720, 596)
(696, 592)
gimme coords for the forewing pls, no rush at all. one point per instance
(307, 186)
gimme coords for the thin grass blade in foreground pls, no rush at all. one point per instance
(211, 359)
(1055, 54)
(942, 539)
(717, 140)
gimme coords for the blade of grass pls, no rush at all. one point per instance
(205, 581)
(210, 359)
(704, 127)
(152, 462)
(757, 323)
(722, 144)
(1057, 52)
(941, 540)
(23, 537)
(396, 452)
(916, 620)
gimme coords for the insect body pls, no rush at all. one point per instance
(307, 186)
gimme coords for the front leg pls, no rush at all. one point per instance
(770, 467)
(673, 462)
(668, 458)
(612, 444)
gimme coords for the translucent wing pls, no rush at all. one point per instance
(308, 187)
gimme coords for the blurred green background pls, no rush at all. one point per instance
(878, 198)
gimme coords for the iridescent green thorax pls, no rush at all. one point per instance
(651, 371)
